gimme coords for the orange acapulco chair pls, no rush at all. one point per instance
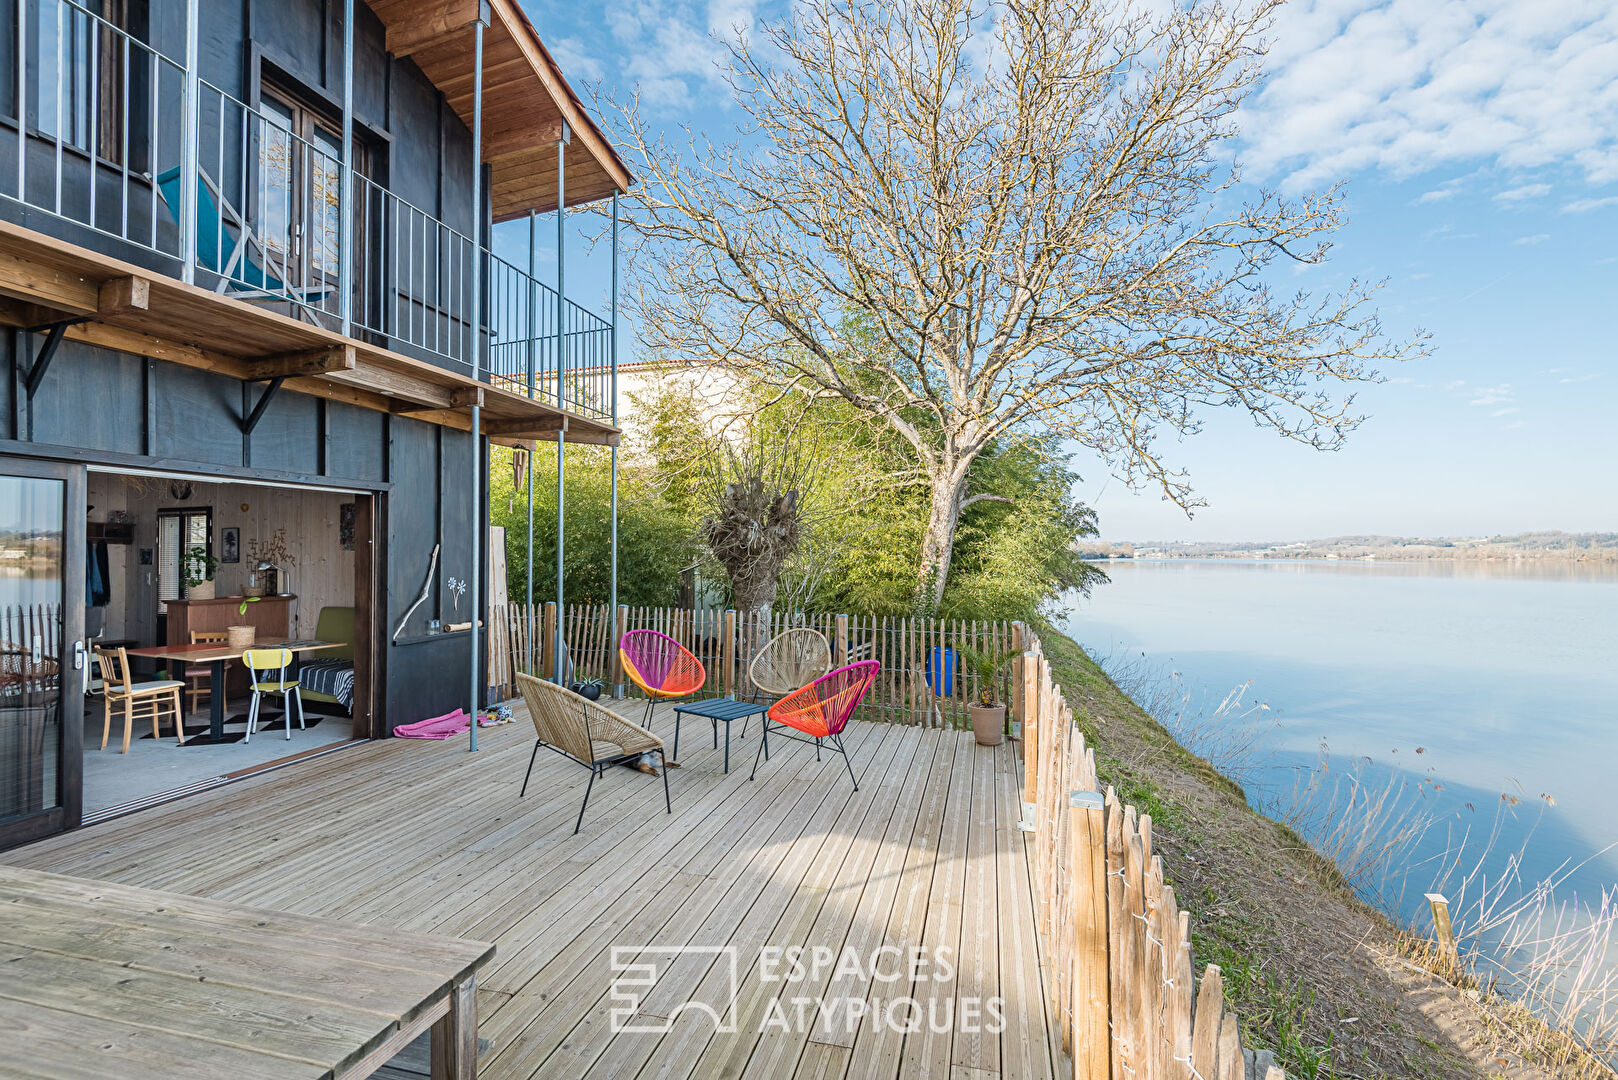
(821, 711)
(662, 667)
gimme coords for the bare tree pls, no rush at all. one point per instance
(974, 221)
(756, 515)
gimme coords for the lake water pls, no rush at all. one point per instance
(1504, 675)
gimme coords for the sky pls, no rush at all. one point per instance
(1478, 144)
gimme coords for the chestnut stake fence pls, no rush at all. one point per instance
(1115, 943)
(925, 677)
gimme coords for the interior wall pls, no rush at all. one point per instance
(321, 576)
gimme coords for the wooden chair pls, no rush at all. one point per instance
(579, 729)
(821, 711)
(196, 673)
(139, 700)
(267, 669)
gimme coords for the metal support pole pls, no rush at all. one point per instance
(345, 197)
(613, 354)
(21, 99)
(480, 530)
(533, 346)
(190, 113)
(561, 384)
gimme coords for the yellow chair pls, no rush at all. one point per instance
(139, 700)
(267, 668)
(196, 673)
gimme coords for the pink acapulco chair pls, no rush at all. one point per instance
(821, 711)
(660, 666)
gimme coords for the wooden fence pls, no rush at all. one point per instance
(1117, 946)
(924, 679)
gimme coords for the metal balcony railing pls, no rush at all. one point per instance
(99, 124)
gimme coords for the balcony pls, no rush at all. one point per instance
(246, 263)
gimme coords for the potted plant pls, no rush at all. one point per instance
(988, 712)
(198, 568)
(242, 636)
(589, 688)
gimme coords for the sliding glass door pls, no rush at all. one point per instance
(42, 661)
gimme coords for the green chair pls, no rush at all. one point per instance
(334, 624)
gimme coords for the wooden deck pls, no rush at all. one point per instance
(427, 837)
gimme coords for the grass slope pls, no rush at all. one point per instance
(1316, 975)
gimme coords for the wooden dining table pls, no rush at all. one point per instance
(106, 980)
(216, 656)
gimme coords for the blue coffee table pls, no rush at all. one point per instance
(717, 709)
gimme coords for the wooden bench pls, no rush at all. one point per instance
(110, 980)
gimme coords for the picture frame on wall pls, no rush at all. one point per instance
(345, 526)
(230, 544)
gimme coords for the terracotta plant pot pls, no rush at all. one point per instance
(202, 590)
(241, 637)
(988, 723)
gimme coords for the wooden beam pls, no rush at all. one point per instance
(412, 27)
(586, 436)
(523, 425)
(521, 136)
(122, 295)
(459, 398)
(38, 283)
(386, 381)
(304, 362)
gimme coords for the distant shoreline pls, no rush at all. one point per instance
(1582, 557)
(1549, 546)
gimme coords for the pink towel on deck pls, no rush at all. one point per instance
(439, 727)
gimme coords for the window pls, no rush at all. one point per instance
(300, 186)
(178, 531)
(80, 79)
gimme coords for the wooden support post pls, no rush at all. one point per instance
(839, 647)
(620, 627)
(549, 652)
(1017, 645)
(727, 651)
(1091, 1046)
(1030, 740)
(454, 1038)
(1443, 930)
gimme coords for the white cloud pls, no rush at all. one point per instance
(1492, 395)
(1530, 241)
(1519, 194)
(1573, 380)
(1584, 206)
(1404, 86)
(1506, 411)
(575, 60)
(675, 52)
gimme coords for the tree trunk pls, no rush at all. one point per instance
(938, 543)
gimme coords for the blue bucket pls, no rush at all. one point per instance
(941, 671)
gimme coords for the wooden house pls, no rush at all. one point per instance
(251, 307)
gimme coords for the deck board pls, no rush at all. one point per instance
(427, 837)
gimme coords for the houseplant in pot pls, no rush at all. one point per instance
(199, 568)
(243, 636)
(589, 688)
(988, 712)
